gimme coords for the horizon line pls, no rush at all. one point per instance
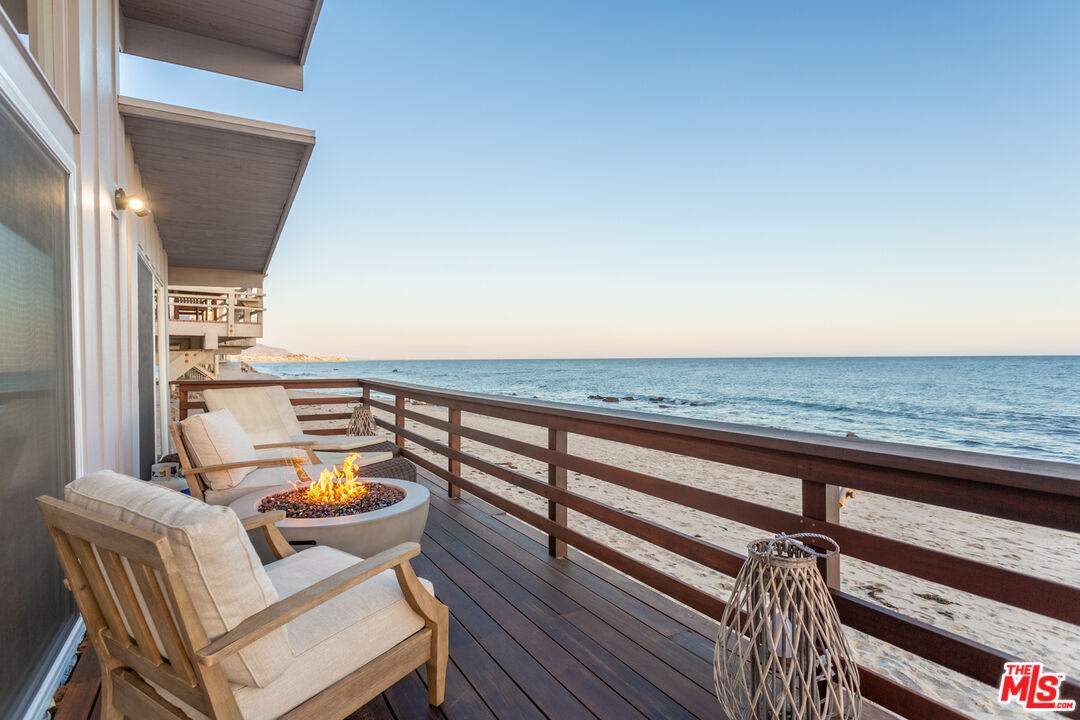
(776, 356)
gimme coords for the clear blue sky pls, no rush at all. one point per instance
(599, 179)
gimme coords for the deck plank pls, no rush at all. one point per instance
(377, 709)
(635, 658)
(473, 666)
(694, 662)
(544, 670)
(408, 699)
(686, 616)
(462, 700)
(650, 611)
(537, 680)
(82, 688)
(576, 674)
(600, 661)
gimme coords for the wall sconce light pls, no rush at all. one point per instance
(130, 202)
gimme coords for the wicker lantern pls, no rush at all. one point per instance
(780, 652)
(362, 421)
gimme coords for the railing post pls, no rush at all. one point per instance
(821, 501)
(183, 401)
(399, 419)
(557, 478)
(453, 416)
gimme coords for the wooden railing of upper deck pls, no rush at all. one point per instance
(1036, 492)
(240, 306)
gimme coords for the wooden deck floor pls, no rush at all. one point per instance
(531, 637)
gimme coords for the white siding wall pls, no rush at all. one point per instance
(106, 250)
(75, 42)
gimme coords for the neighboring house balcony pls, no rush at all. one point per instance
(207, 322)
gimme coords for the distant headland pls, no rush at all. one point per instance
(267, 354)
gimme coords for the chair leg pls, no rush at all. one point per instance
(108, 710)
(440, 651)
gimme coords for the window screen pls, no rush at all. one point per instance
(36, 405)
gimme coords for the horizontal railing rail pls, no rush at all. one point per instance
(1035, 492)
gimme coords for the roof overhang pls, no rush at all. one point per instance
(214, 277)
(18, 13)
(266, 41)
(219, 187)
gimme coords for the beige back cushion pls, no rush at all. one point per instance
(258, 410)
(215, 438)
(216, 561)
(280, 397)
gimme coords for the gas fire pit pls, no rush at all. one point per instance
(296, 503)
(337, 492)
(360, 516)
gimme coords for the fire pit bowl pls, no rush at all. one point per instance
(363, 534)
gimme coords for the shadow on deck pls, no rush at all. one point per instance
(530, 637)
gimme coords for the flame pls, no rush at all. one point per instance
(334, 485)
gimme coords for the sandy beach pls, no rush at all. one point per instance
(241, 371)
(1003, 543)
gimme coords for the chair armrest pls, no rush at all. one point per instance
(306, 445)
(297, 444)
(277, 542)
(260, 519)
(269, 462)
(287, 609)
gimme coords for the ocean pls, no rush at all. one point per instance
(1019, 406)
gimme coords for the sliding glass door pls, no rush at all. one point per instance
(36, 404)
(147, 369)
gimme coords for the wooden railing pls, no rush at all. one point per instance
(1036, 492)
(215, 305)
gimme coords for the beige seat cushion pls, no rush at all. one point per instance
(216, 438)
(335, 638)
(368, 458)
(256, 411)
(341, 443)
(217, 562)
(259, 479)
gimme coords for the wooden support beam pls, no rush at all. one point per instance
(453, 440)
(399, 420)
(557, 478)
(822, 502)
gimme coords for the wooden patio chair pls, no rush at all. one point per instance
(208, 481)
(266, 413)
(196, 475)
(186, 622)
